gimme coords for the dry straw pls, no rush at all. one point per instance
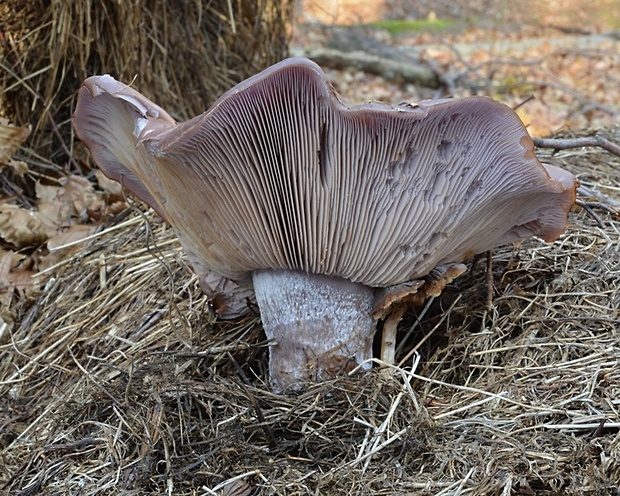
(116, 379)
(181, 54)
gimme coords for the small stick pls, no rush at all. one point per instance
(80, 443)
(563, 144)
(591, 213)
(489, 280)
(388, 337)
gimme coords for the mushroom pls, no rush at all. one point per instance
(323, 208)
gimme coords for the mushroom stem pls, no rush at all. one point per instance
(318, 326)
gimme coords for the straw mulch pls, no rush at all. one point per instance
(115, 378)
(184, 54)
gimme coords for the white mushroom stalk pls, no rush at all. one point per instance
(319, 326)
(323, 207)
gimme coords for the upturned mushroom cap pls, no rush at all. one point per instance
(317, 204)
(279, 174)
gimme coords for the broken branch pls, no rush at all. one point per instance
(390, 70)
(563, 144)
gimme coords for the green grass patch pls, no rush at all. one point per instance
(406, 26)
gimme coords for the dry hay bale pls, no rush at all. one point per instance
(183, 54)
(115, 377)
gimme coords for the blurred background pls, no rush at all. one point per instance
(557, 61)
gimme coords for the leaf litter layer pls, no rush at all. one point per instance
(115, 377)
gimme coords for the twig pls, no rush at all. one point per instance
(601, 206)
(417, 322)
(61, 141)
(75, 445)
(489, 280)
(489, 283)
(591, 213)
(391, 70)
(576, 426)
(603, 200)
(563, 144)
(527, 100)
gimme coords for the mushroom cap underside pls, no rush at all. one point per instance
(279, 174)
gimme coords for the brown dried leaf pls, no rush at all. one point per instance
(11, 138)
(21, 227)
(21, 279)
(6, 325)
(5, 269)
(71, 236)
(79, 192)
(114, 188)
(64, 205)
(59, 208)
(12, 274)
(236, 488)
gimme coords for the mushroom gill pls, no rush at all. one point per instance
(320, 205)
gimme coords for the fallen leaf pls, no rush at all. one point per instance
(11, 275)
(69, 237)
(20, 227)
(5, 269)
(62, 206)
(11, 138)
(114, 188)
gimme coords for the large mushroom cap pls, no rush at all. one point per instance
(279, 174)
(318, 204)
